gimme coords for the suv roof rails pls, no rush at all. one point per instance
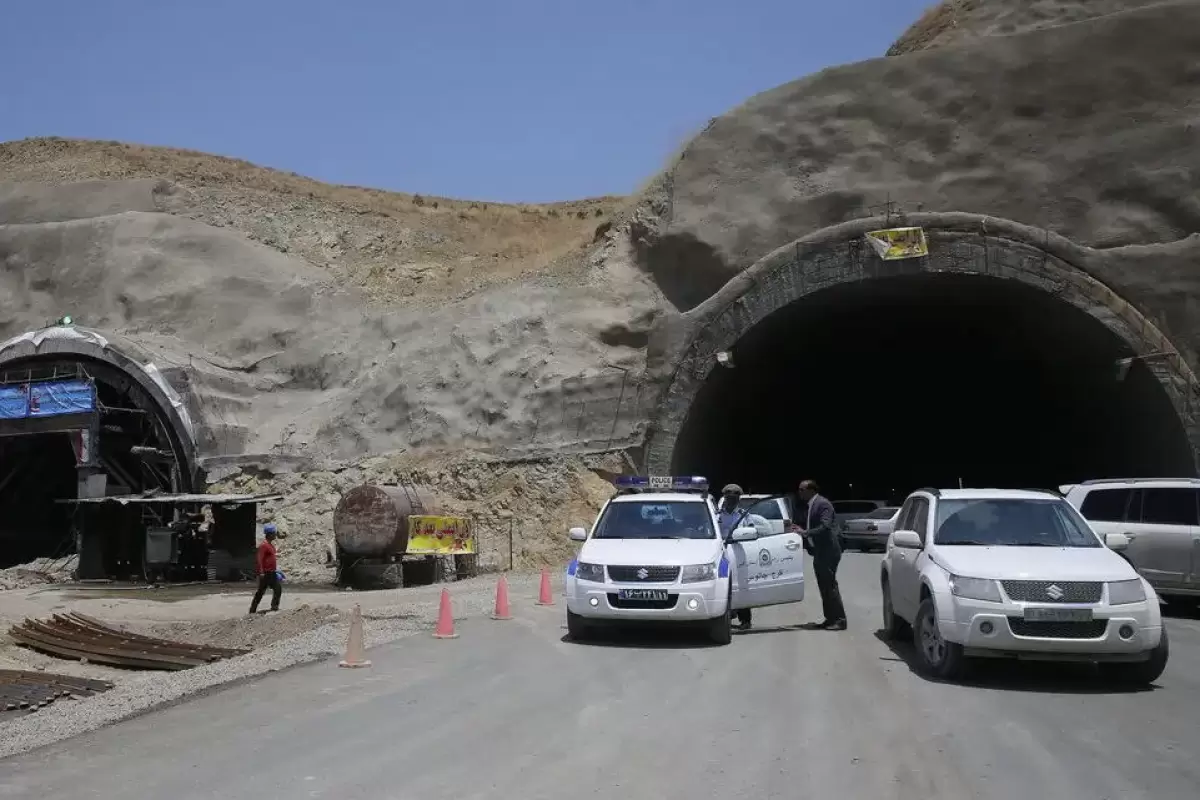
(931, 490)
(1095, 481)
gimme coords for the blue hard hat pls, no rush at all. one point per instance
(269, 527)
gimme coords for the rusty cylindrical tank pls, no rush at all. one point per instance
(371, 521)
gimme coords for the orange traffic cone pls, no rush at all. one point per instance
(445, 623)
(354, 644)
(544, 596)
(502, 611)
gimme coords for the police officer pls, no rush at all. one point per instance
(729, 516)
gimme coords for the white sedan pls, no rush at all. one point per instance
(1000, 573)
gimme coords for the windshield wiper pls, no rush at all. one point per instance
(966, 543)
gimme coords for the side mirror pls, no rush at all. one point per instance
(747, 534)
(577, 535)
(1116, 541)
(910, 540)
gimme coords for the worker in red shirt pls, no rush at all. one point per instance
(268, 570)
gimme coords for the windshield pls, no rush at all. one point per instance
(636, 519)
(882, 513)
(1012, 523)
(765, 508)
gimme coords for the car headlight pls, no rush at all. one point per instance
(1125, 592)
(694, 573)
(975, 588)
(589, 572)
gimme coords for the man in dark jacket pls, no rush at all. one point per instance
(267, 563)
(820, 536)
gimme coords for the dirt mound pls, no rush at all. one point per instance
(534, 502)
(1083, 129)
(259, 630)
(36, 573)
(280, 352)
(397, 248)
(957, 21)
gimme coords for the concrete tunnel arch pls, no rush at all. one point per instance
(124, 382)
(1007, 256)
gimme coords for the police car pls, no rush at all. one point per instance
(655, 554)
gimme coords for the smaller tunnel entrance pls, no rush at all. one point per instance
(877, 387)
(40, 452)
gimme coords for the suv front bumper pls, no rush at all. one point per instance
(999, 628)
(685, 601)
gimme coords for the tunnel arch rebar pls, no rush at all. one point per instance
(959, 243)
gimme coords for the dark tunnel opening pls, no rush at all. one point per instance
(878, 387)
(39, 469)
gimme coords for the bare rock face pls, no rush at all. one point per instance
(1085, 129)
(280, 356)
(958, 21)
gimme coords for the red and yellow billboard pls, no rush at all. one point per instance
(439, 536)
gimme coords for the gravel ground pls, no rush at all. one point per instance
(145, 691)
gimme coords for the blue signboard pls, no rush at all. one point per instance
(48, 399)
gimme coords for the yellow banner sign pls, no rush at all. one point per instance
(893, 244)
(439, 536)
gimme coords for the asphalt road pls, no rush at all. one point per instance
(509, 710)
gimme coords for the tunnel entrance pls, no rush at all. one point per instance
(71, 428)
(877, 387)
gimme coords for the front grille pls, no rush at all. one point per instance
(653, 574)
(660, 605)
(1058, 630)
(1053, 591)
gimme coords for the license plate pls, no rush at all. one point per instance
(642, 594)
(1058, 615)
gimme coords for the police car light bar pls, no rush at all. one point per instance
(662, 483)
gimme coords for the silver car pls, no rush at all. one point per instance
(1160, 520)
(869, 531)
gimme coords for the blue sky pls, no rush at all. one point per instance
(509, 100)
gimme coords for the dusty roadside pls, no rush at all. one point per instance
(313, 625)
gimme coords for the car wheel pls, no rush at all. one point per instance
(1140, 673)
(720, 629)
(938, 658)
(894, 628)
(577, 629)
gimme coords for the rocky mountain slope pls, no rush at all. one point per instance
(961, 21)
(325, 320)
(1086, 129)
(345, 323)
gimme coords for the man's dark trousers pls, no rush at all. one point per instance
(265, 581)
(826, 557)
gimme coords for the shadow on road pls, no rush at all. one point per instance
(1013, 675)
(1181, 609)
(798, 628)
(668, 637)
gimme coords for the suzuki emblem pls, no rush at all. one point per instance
(1054, 592)
(643, 573)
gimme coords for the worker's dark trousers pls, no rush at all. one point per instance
(743, 616)
(825, 564)
(271, 580)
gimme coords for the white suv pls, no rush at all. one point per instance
(1161, 519)
(655, 554)
(995, 572)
